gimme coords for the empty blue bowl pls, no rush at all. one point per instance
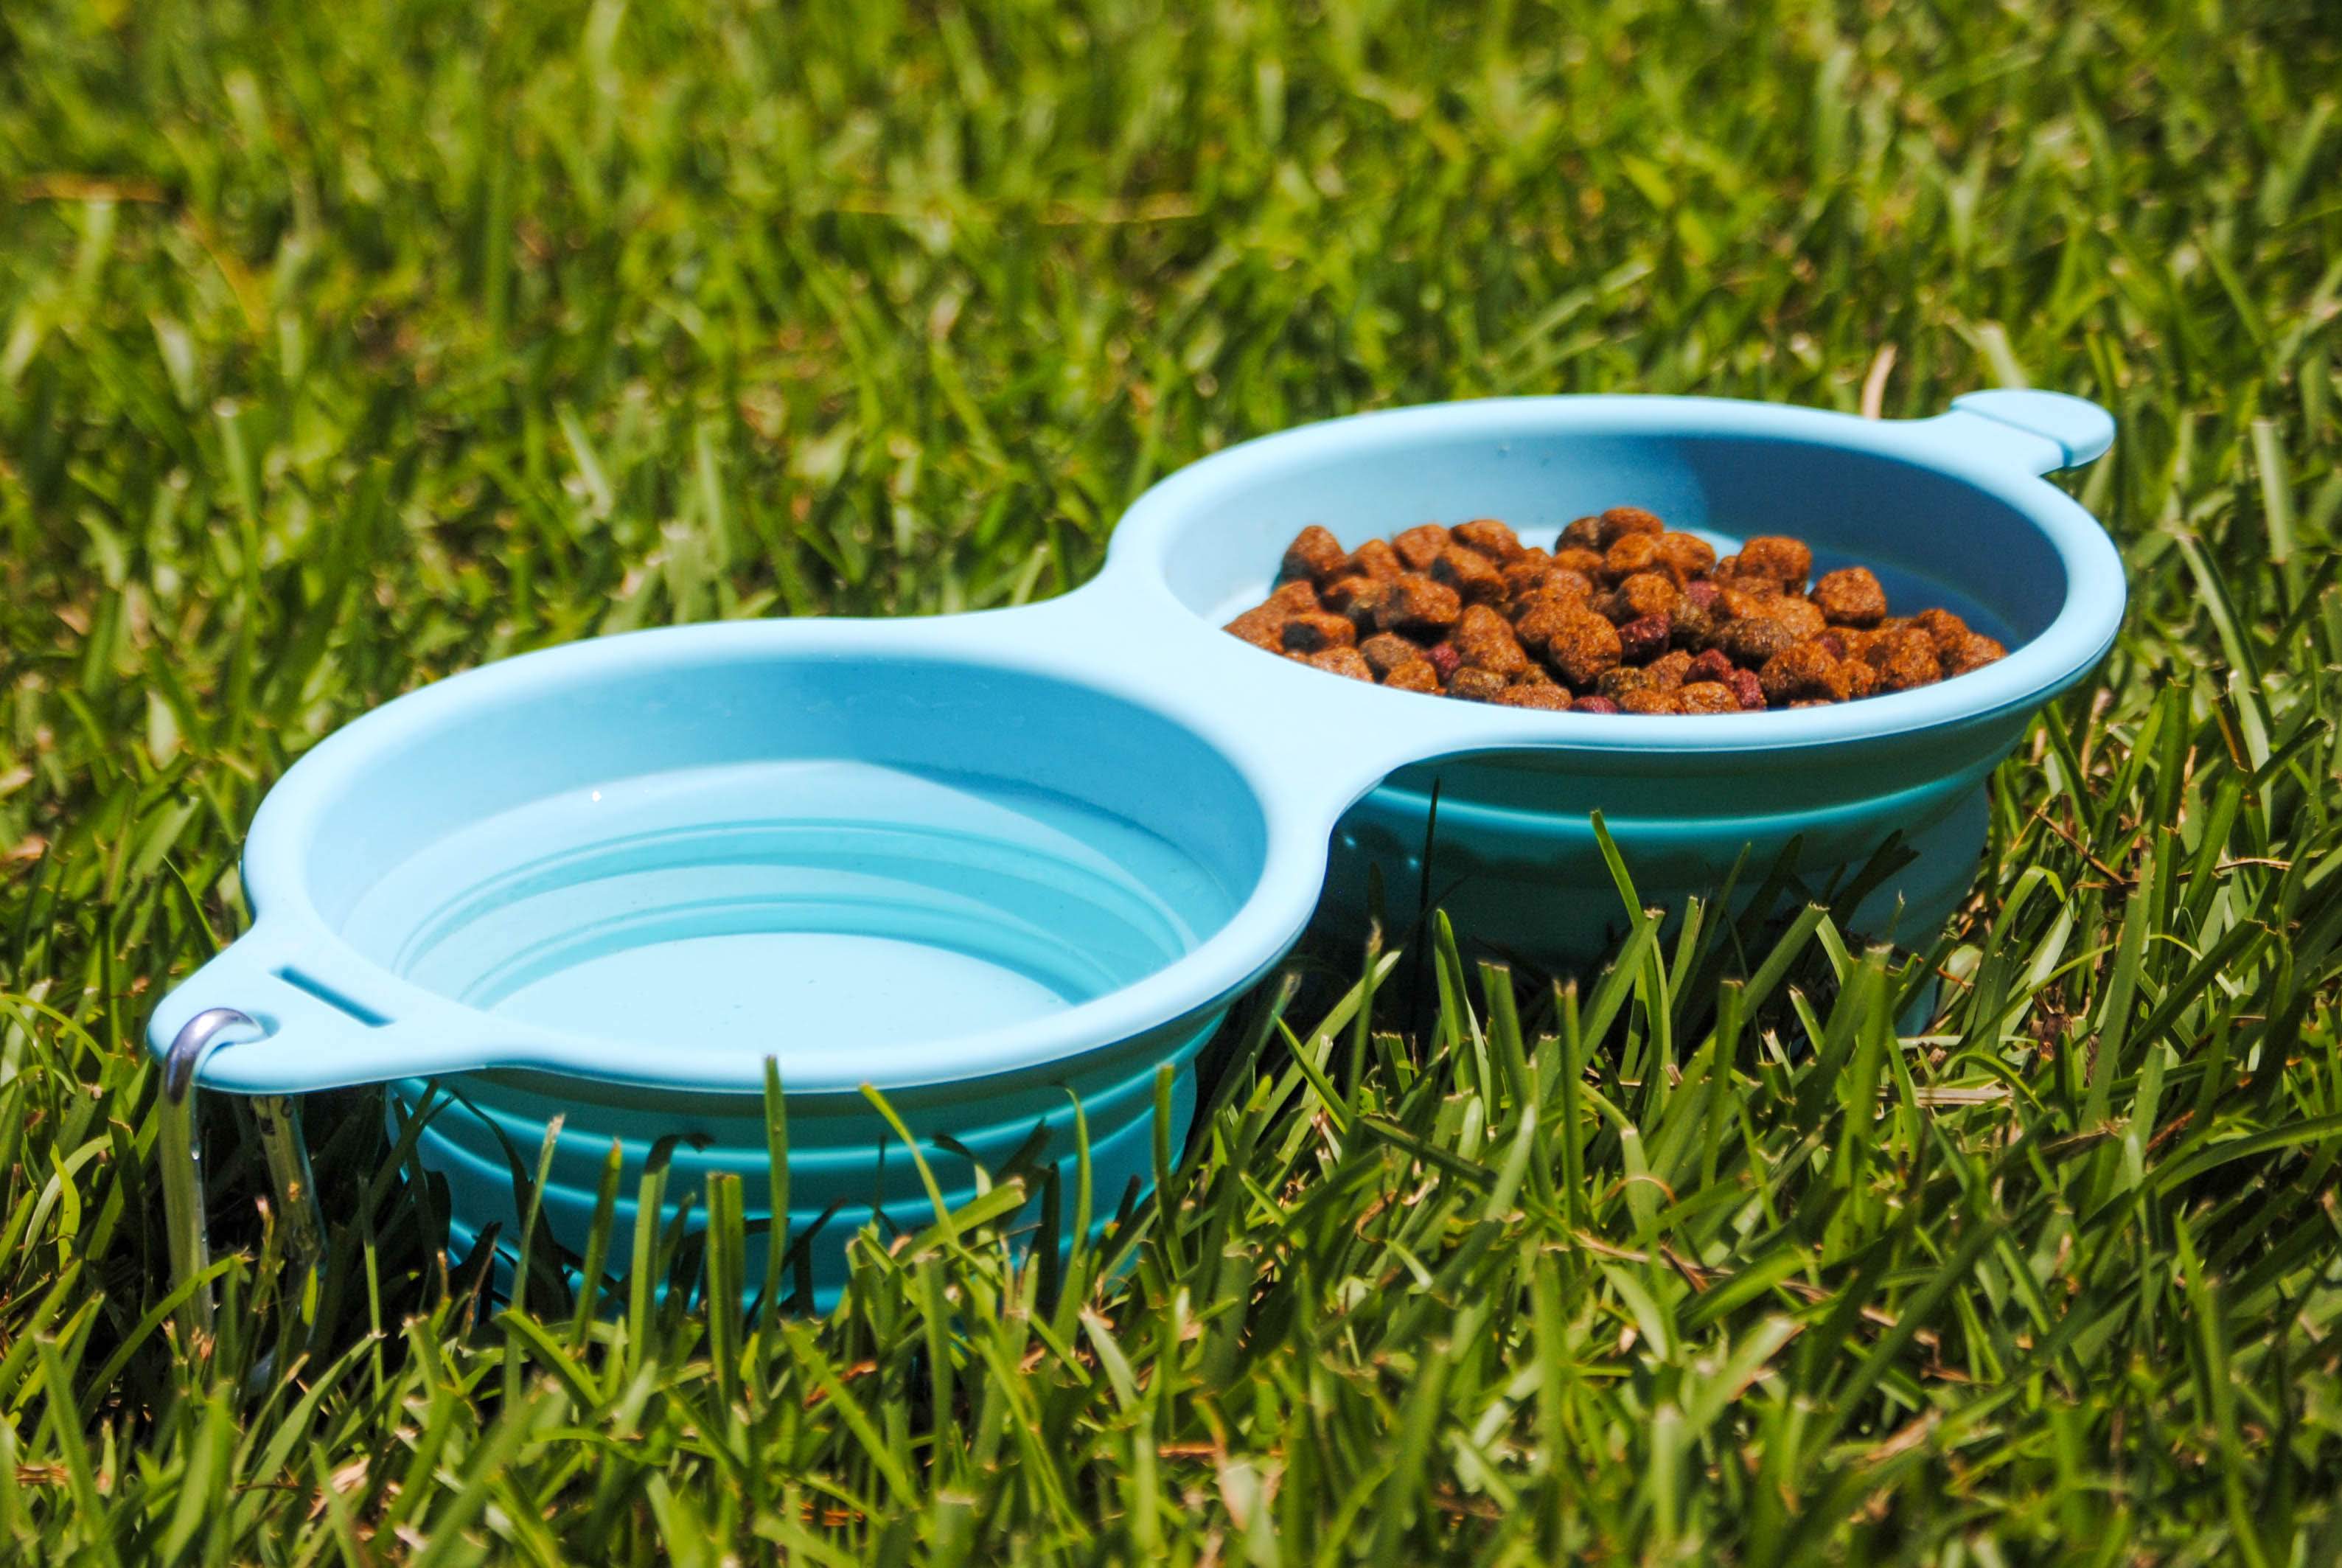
(995, 863)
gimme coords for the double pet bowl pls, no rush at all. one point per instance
(993, 862)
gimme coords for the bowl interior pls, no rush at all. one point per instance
(863, 854)
(1932, 538)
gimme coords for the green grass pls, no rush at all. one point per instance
(344, 346)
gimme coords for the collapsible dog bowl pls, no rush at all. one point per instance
(995, 864)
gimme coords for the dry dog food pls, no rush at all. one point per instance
(1622, 615)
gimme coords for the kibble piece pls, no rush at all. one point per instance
(1905, 659)
(1542, 618)
(1620, 521)
(1799, 616)
(1693, 626)
(1551, 698)
(1857, 680)
(1586, 564)
(1376, 559)
(1594, 706)
(1445, 660)
(1314, 552)
(1770, 558)
(1490, 537)
(1644, 594)
(1319, 630)
(1386, 651)
(1342, 662)
(1686, 555)
(1415, 675)
(1752, 640)
(1707, 697)
(1584, 534)
(1670, 669)
(1473, 575)
(1263, 626)
(1486, 641)
(1295, 598)
(1525, 571)
(1703, 593)
(1749, 689)
(1416, 603)
(1532, 674)
(1802, 670)
(1478, 685)
(1580, 645)
(1420, 546)
(1652, 700)
(1632, 553)
(1975, 651)
(1621, 680)
(1355, 597)
(1710, 666)
(1850, 596)
(1644, 638)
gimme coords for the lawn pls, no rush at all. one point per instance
(343, 347)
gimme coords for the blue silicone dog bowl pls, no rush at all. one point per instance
(998, 862)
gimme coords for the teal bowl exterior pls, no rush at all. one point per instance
(996, 866)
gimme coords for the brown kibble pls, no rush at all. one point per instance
(1415, 601)
(1415, 675)
(1263, 626)
(1670, 670)
(1753, 640)
(1586, 534)
(1644, 594)
(1472, 575)
(1850, 596)
(1475, 685)
(1802, 670)
(1620, 521)
(1638, 618)
(1707, 697)
(1314, 552)
(1490, 537)
(1580, 645)
(1632, 553)
(1904, 658)
(1420, 546)
(1376, 559)
(1386, 651)
(1644, 638)
(1686, 555)
(1652, 700)
(1618, 681)
(1769, 559)
(1586, 564)
(1319, 630)
(1486, 641)
(1355, 596)
(1342, 662)
(1295, 598)
(1975, 651)
(1525, 571)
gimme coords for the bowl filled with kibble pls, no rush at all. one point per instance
(1756, 637)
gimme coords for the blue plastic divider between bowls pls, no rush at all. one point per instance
(994, 862)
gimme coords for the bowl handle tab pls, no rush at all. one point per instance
(253, 1020)
(2042, 432)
